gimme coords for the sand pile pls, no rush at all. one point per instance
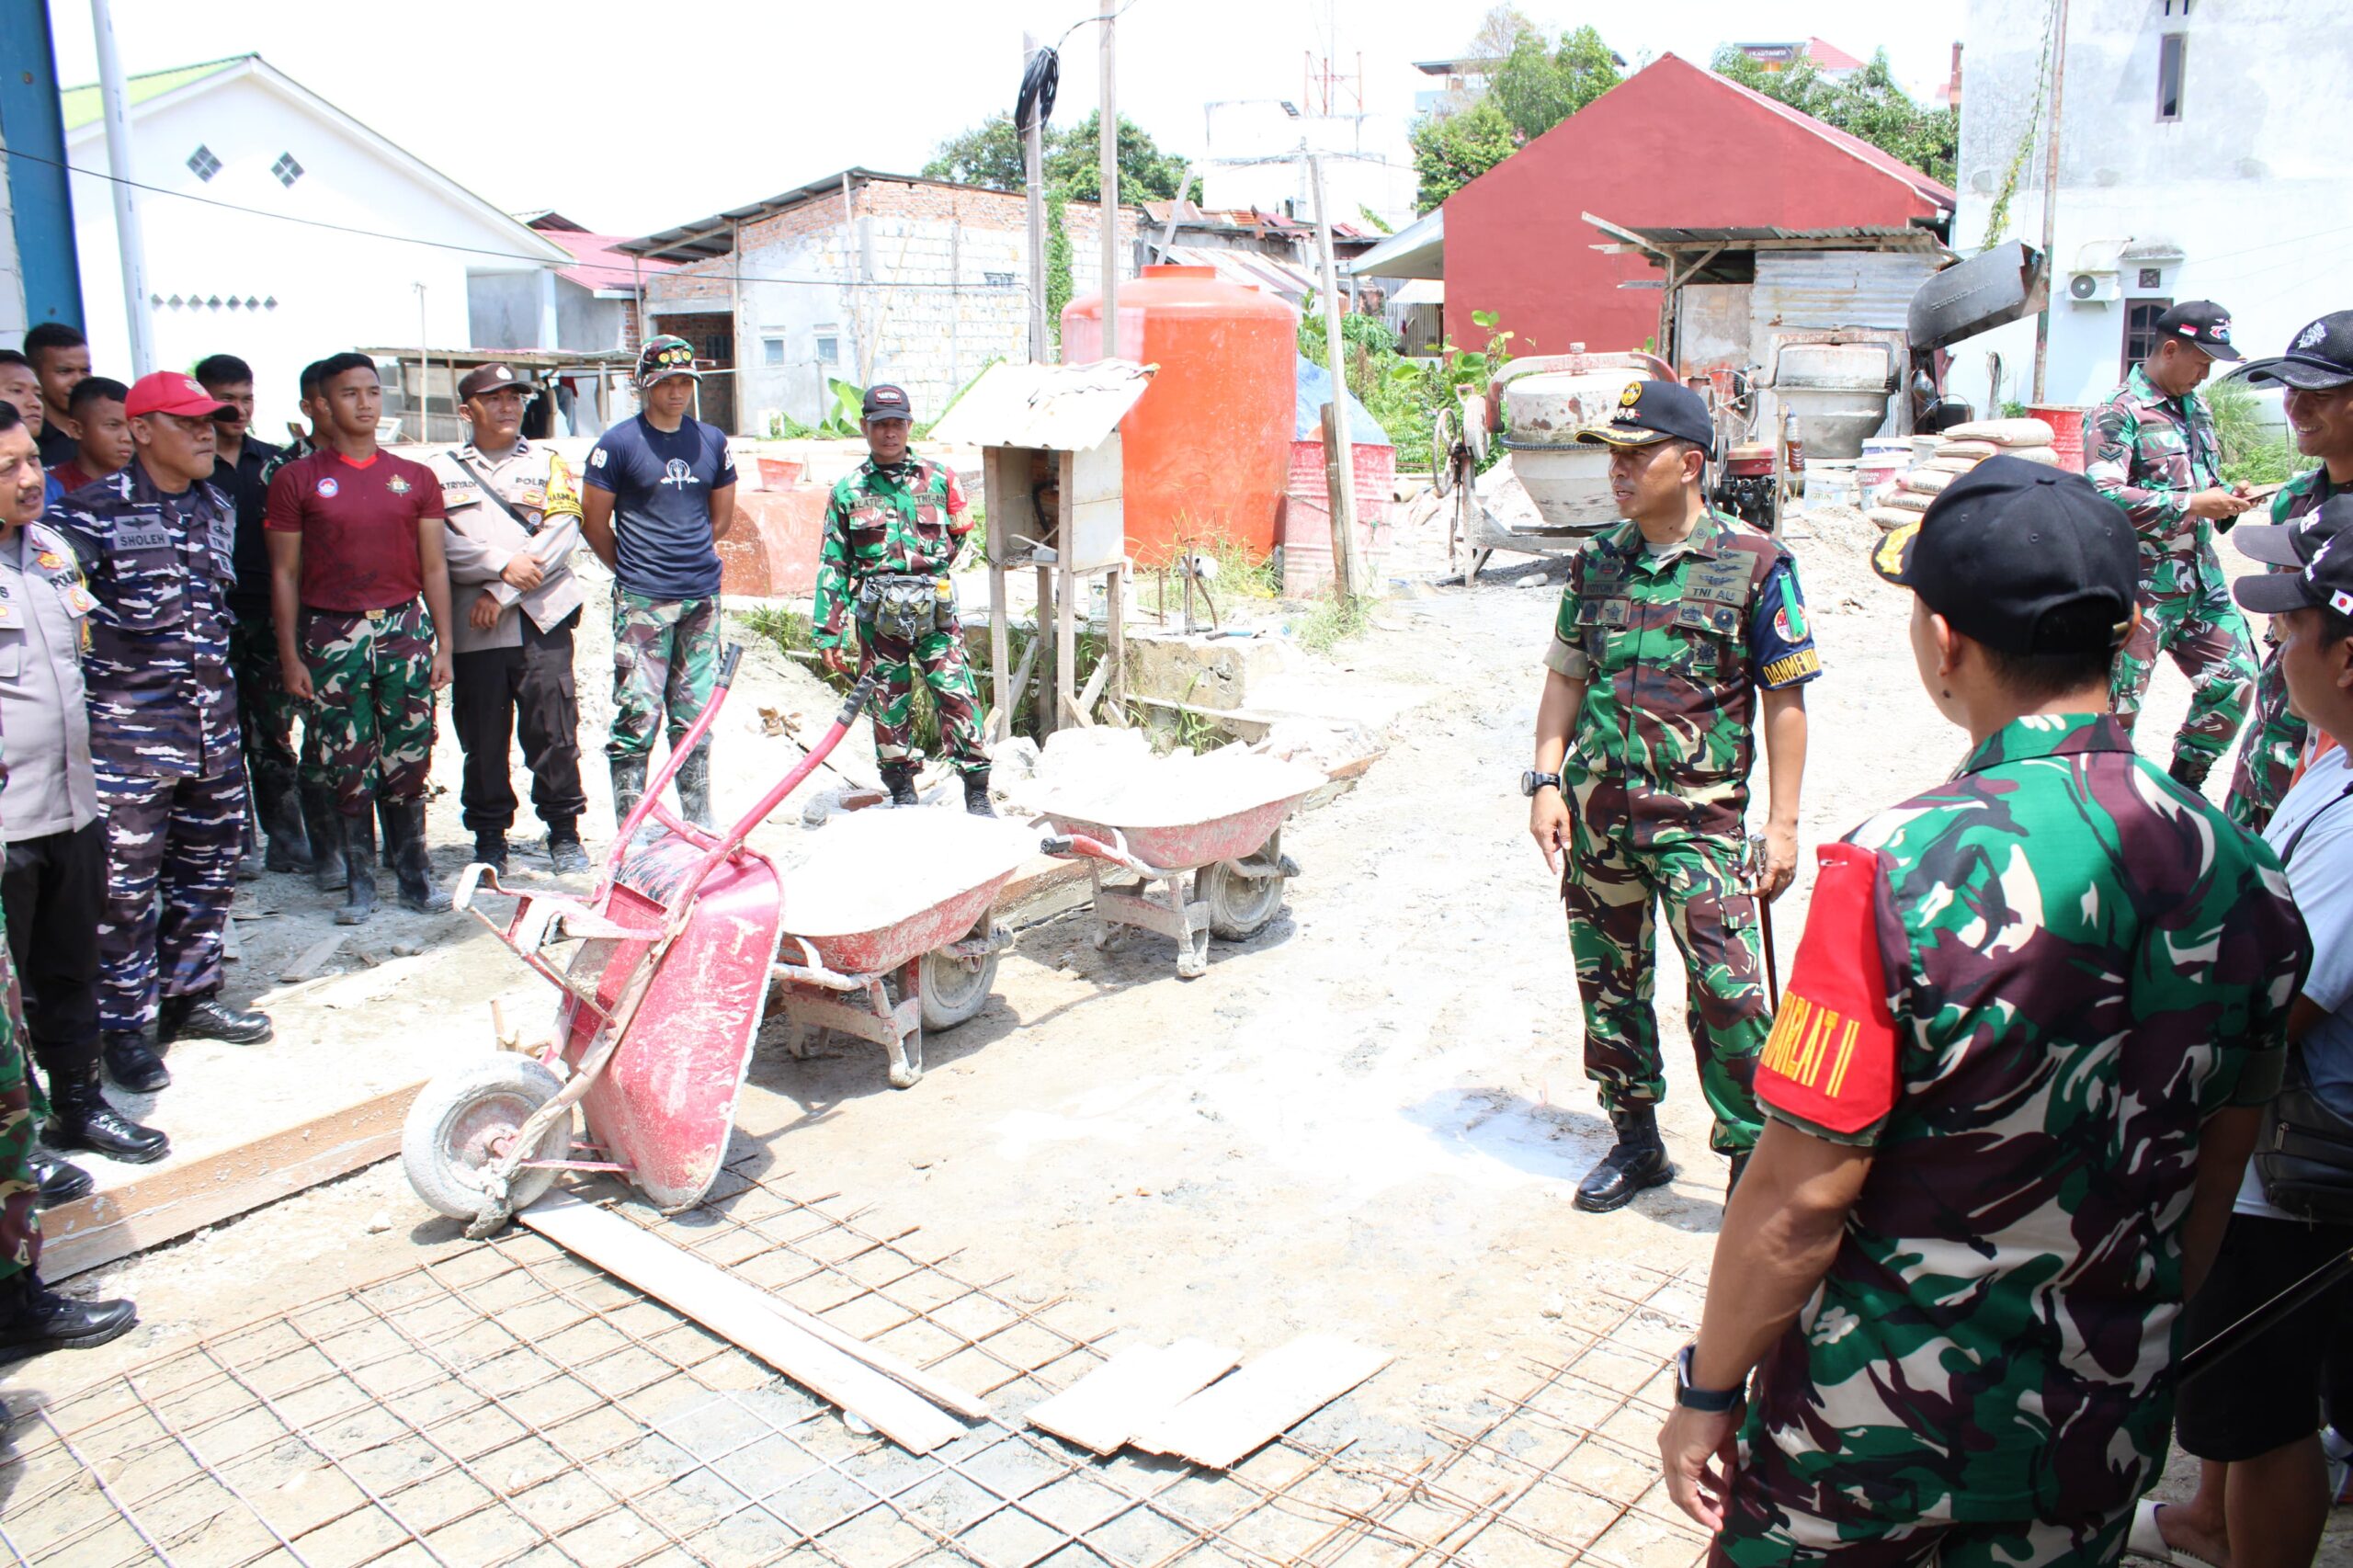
(1111, 776)
(864, 870)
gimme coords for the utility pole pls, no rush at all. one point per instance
(114, 105)
(2050, 192)
(1034, 182)
(1339, 454)
(1107, 211)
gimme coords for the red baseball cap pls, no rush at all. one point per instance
(169, 392)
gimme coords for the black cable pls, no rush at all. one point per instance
(1044, 75)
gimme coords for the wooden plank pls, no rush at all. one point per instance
(1132, 1392)
(741, 1312)
(184, 1198)
(314, 958)
(1217, 1426)
(936, 1389)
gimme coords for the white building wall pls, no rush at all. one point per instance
(317, 290)
(2251, 186)
(1368, 163)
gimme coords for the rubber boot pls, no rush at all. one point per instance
(81, 1118)
(323, 825)
(1739, 1164)
(411, 863)
(629, 786)
(693, 786)
(2190, 772)
(34, 1318)
(359, 866)
(1638, 1160)
(384, 834)
(283, 824)
(976, 793)
(900, 780)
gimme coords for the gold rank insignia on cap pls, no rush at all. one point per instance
(1631, 395)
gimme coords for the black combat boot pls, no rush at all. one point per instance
(1739, 1164)
(278, 801)
(1636, 1161)
(900, 780)
(203, 1015)
(359, 866)
(323, 827)
(249, 863)
(629, 786)
(490, 850)
(384, 834)
(693, 786)
(57, 1181)
(411, 863)
(565, 848)
(976, 793)
(133, 1062)
(2190, 772)
(34, 1318)
(79, 1118)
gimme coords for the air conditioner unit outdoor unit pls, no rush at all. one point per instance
(2094, 288)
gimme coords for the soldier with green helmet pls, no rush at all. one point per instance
(2012, 1081)
(894, 527)
(1676, 628)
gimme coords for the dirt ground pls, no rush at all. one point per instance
(1368, 1120)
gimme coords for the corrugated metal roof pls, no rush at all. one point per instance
(1417, 250)
(1070, 408)
(1866, 236)
(1834, 288)
(1254, 269)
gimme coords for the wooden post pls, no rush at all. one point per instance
(1108, 208)
(995, 464)
(1034, 184)
(1068, 585)
(1042, 648)
(1114, 640)
(1339, 456)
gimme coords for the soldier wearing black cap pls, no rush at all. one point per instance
(1671, 625)
(891, 533)
(2153, 451)
(2315, 378)
(513, 521)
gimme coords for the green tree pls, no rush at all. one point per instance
(1870, 104)
(1452, 150)
(1536, 88)
(1058, 279)
(990, 154)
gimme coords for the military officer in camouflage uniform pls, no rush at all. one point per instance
(2014, 1077)
(893, 530)
(659, 495)
(1671, 626)
(157, 545)
(2316, 374)
(2153, 451)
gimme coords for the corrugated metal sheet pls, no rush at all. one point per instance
(1252, 269)
(1834, 288)
(1070, 408)
(1882, 236)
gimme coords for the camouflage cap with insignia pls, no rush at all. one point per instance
(664, 356)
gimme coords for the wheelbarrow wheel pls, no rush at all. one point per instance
(1239, 904)
(464, 1121)
(953, 989)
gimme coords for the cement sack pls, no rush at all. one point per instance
(2004, 432)
(2034, 454)
(1950, 465)
(1967, 450)
(1891, 517)
(1927, 481)
(1908, 500)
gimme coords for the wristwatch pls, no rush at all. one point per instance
(1708, 1402)
(1531, 782)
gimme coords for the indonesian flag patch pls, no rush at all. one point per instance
(1831, 1056)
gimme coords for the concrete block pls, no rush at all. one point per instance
(1202, 671)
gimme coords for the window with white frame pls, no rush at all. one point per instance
(829, 346)
(2173, 49)
(771, 351)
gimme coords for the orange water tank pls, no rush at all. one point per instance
(1207, 448)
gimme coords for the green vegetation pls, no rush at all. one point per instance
(1869, 104)
(1405, 395)
(2253, 452)
(1333, 621)
(1058, 278)
(1071, 162)
(1537, 85)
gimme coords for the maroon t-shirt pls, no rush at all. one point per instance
(358, 526)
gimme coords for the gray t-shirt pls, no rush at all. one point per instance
(42, 709)
(2313, 833)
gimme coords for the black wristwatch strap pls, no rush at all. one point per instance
(1708, 1402)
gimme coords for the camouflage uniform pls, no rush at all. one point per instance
(265, 714)
(665, 662)
(2275, 740)
(909, 518)
(2025, 991)
(2149, 454)
(22, 1112)
(265, 707)
(372, 721)
(163, 739)
(1668, 646)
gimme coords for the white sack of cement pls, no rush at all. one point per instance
(871, 870)
(2004, 432)
(1111, 777)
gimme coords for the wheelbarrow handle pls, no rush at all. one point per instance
(1079, 847)
(860, 696)
(728, 660)
(731, 655)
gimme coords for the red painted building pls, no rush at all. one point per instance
(1671, 146)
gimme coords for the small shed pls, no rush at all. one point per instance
(1050, 474)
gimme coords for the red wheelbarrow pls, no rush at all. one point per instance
(661, 1002)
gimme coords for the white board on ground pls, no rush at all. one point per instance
(1132, 1392)
(1227, 1420)
(741, 1312)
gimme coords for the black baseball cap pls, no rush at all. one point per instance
(2022, 557)
(2321, 577)
(1650, 412)
(487, 379)
(2319, 359)
(885, 401)
(2201, 324)
(2289, 543)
